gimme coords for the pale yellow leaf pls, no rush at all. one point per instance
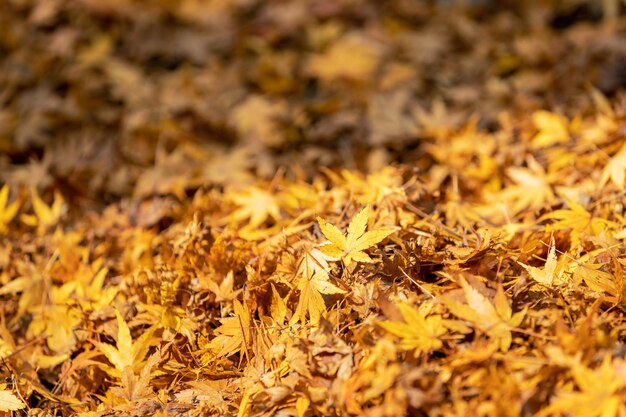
(552, 128)
(10, 401)
(313, 281)
(550, 274)
(494, 319)
(615, 169)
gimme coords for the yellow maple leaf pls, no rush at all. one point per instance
(532, 188)
(7, 212)
(598, 396)
(350, 248)
(278, 308)
(615, 169)
(258, 118)
(125, 354)
(234, 334)
(596, 279)
(416, 332)
(45, 216)
(578, 219)
(223, 290)
(495, 319)
(350, 58)
(58, 324)
(255, 205)
(551, 273)
(375, 187)
(552, 127)
(32, 284)
(313, 281)
(136, 386)
(9, 401)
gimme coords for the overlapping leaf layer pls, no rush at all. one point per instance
(312, 208)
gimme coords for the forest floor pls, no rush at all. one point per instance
(312, 208)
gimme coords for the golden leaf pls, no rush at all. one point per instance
(579, 220)
(45, 216)
(615, 169)
(551, 274)
(532, 189)
(495, 319)
(596, 279)
(7, 211)
(552, 129)
(416, 332)
(598, 396)
(234, 334)
(350, 248)
(126, 353)
(313, 281)
(350, 58)
(258, 120)
(255, 205)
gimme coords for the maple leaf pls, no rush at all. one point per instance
(416, 332)
(313, 281)
(385, 184)
(133, 386)
(578, 219)
(532, 189)
(9, 401)
(125, 354)
(223, 290)
(350, 58)
(599, 394)
(227, 166)
(255, 205)
(234, 334)
(45, 216)
(32, 284)
(350, 248)
(278, 308)
(439, 121)
(552, 129)
(596, 279)
(57, 323)
(374, 376)
(495, 319)
(257, 119)
(171, 173)
(615, 169)
(551, 273)
(7, 212)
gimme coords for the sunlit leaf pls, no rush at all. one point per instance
(416, 332)
(350, 247)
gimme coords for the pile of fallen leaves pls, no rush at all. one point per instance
(312, 208)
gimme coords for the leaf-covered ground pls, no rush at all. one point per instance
(312, 208)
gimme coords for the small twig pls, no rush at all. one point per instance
(417, 284)
(436, 222)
